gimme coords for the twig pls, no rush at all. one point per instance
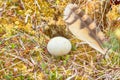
(10, 66)
(26, 18)
(2, 9)
(22, 59)
(32, 60)
(35, 76)
(70, 78)
(36, 2)
(21, 43)
(10, 37)
(22, 4)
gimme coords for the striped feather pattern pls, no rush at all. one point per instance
(83, 27)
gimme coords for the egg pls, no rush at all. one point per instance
(59, 46)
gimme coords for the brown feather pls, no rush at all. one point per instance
(83, 27)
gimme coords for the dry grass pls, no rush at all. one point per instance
(26, 27)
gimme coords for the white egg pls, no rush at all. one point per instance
(59, 46)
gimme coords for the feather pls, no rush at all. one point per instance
(115, 2)
(83, 27)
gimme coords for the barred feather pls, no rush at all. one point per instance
(83, 27)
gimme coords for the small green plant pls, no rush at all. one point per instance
(22, 77)
(43, 66)
(13, 45)
(0, 42)
(66, 59)
(8, 76)
(74, 47)
(113, 43)
(54, 75)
